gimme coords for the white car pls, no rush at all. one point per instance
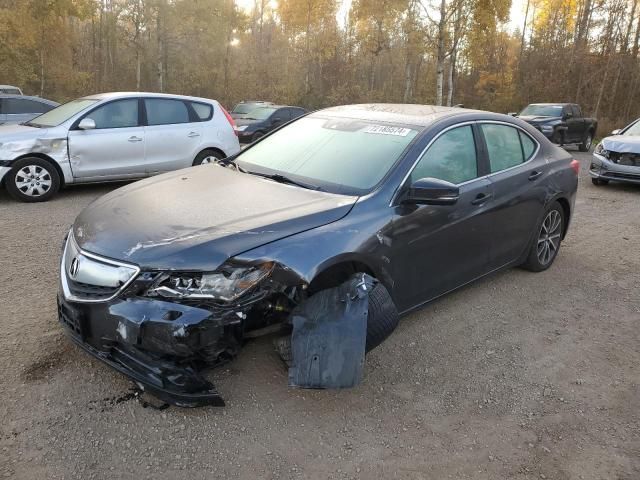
(112, 136)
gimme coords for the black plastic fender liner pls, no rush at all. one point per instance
(329, 336)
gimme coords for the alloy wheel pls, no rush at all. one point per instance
(33, 180)
(549, 239)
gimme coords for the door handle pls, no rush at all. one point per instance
(481, 198)
(135, 139)
(193, 134)
(535, 174)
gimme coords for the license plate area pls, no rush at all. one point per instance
(72, 319)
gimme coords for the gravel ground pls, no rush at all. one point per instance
(518, 376)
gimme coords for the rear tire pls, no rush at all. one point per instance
(546, 245)
(206, 157)
(599, 182)
(32, 179)
(585, 146)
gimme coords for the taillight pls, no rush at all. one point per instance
(575, 166)
(230, 120)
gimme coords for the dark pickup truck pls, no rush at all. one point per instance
(562, 123)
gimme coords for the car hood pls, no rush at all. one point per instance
(622, 143)
(537, 118)
(195, 219)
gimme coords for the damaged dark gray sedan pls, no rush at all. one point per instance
(322, 233)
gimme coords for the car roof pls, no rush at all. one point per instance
(411, 114)
(10, 86)
(28, 97)
(116, 95)
(559, 104)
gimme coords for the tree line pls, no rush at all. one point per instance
(316, 53)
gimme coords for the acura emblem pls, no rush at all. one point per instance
(73, 269)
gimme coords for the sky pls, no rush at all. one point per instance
(515, 21)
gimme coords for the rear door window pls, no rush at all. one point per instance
(203, 111)
(117, 114)
(16, 106)
(164, 111)
(452, 157)
(503, 145)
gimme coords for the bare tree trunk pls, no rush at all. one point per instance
(407, 80)
(450, 80)
(441, 53)
(160, 45)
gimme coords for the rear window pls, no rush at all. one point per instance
(18, 105)
(10, 91)
(203, 111)
(162, 111)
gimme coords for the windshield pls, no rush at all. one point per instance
(61, 114)
(633, 130)
(261, 113)
(543, 110)
(338, 155)
(243, 108)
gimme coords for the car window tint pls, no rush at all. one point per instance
(528, 145)
(203, 111)
(576, 111)
(296, 112)
(452, 157)
(118, 114)
(18, 106)
(161, 111)
(503, 146)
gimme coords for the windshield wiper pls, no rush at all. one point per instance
(29, 124)
(278, 177)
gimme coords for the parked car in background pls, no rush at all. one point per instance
(244, 107)
(22, 108)
(617, 157)
(112, 136)
(562, 123)
(10, 90)
(331, 227)
(262, 120)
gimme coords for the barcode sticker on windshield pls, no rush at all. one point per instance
(385, 130)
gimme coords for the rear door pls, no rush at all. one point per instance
(18, 110)
(115, 148)
(516, 174)
(173, 134)
(437, 248)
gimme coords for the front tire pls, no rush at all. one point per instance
(599, 182)
(32, 180)
(546, 245)
(585, 146)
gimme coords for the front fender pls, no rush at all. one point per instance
(359, 237)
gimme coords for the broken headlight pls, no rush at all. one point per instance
(600, 150)
(226, 285)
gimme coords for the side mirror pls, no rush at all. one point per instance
(616, 131)
(513, 114)
(567, 116)
(432, 191)
(87, 124)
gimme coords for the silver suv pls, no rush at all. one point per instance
(112, 136)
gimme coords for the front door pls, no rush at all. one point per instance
(114, 149)
(173, 136)
(437, 248)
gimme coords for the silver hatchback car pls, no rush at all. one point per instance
(112, 136)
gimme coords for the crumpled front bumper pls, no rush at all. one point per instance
(605, 169)
(152, 342)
